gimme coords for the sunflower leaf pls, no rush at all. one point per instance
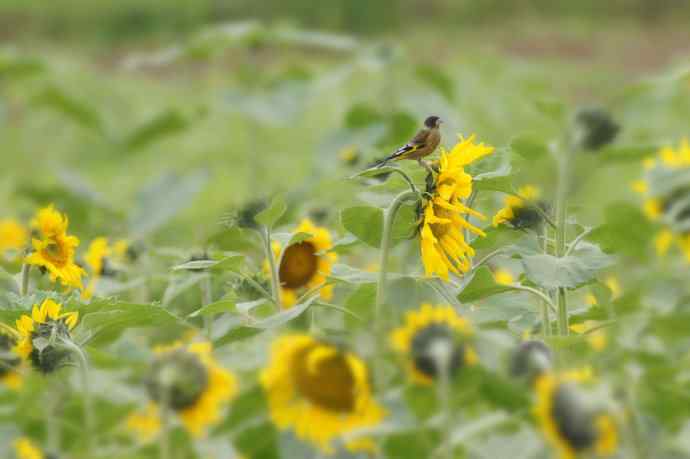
(570, 271)
(481, 286)
(270, 215)
(217, 307)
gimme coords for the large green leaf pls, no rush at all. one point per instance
(78, 111)
(366, 223)
(162, 125)
(578, 268)
(104, 322)
(271, 214)
(481, 286)
(626, 230)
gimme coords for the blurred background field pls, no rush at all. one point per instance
(119, 94)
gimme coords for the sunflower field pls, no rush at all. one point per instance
(261, 240)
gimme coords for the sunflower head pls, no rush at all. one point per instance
(571, 422)
(434, 340)
(9, 361)
(13, 236)
(523, 211)
(444, 215)
(306, 264)
(97, 256)
(594, 128)
(53, 248)
(666, 189)
(41, 336)
(319, 390)
(531, 359)
(187, 380)
(24, 448)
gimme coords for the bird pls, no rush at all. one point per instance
(422, 144)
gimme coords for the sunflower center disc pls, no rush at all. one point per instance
(299, 265)
(179, 377)
(573, 418)
(329, 383)
(55, 253)
(422, 354)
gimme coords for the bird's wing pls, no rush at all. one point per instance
(417, 142)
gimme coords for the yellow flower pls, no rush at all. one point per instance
(24, 448)
(55, 249)
(191, 383)
(120, 248)
(443, 245)
(568, 421)
(320, 391)
(146, 424)
(666, 194)
(614, 287)
(596, 338)
(305, 265)
(503, 277)
(519, 210)
(95, 255)
(10, 363)
(46, 322)
(13, 235)
(426, 334)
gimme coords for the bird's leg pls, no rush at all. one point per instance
(426, 166)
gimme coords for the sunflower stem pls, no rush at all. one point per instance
(86, 393)
(26, 268)
(386, 235)
(207, 298)
(545, 316)
(52, 432)
(561, 217)
(164, 437)
(275, 275)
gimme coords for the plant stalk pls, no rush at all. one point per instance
(86, 394)
(386, 234)
(275, 275)
(26, 269)
(561, 217)
(207, 298)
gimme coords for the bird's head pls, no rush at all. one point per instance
(433, 122)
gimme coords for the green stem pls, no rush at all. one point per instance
(164, 437)
(26, 268)
(207, 298)
(561, 214)
(545, 315)
(275, 275)
(86, 394)
(52, 432)
(388, 219)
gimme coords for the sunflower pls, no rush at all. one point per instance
(13, 236)
(531, 359)
(9, 361)
(443, 246)
(520, 211)
(503, 277)
(666, 188)
(426, 334)
(320, 391)
(306, 264)
(54, 250)
(24, 448)
(189, 381)
(571, 424)
(47, 323)
(96, 259)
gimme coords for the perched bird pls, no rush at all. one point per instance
(422, 144)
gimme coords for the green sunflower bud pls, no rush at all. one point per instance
(594, 128)
(46, 354)
(177, 378)
(531, 359)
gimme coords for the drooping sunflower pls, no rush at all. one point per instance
(520, 211)
(666, 188)
(24, 448)
(306, 265)
(13, 236)
(46, 322)
(189, 381)
(569, 421)
(96, 259)
(320, 391)
(10, 362)
(443, 245)
(431, 335)
(54, 248)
